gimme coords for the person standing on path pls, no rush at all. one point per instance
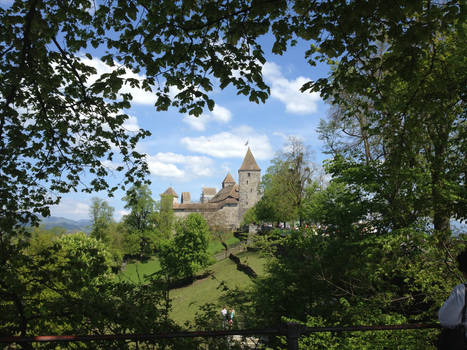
(231, 315)
(224, 316)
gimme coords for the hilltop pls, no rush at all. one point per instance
(83, 225)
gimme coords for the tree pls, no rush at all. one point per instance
(101, 216)
(106, 230)
(248, 218)
(60, 119)
(41, 296)
(66, 287)
(51, 102)
(186, 253)
(272, 207)
(41, 239)
(284, 184)
(51, 106)
(348, 132)
(408, 84)
(142, 219)
(141, 205)
(328, 280)
(57, 120)
(412, 143)
(166, 218)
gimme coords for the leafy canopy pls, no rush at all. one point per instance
(186, 253)
(58, 121)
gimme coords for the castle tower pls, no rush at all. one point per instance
(171, 192)
(207, 193)
(228, 181)
(249, 177)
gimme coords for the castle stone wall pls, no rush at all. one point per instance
(226, 217)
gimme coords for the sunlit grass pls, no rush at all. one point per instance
(135, 272)
(215, 246)
(187, 300)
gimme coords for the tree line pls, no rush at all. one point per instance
(141, 231)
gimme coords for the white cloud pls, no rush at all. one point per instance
(81, 208)
(179, 166)
(110, 164)
(288, 91)
(197, 123)
(219, 115)
(158, 168)
(121, 213)
(286, 139)
(283, 136)
(140, 96)
(131, 124)
(231, 144)
(72, 209)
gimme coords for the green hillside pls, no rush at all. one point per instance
(186, 301)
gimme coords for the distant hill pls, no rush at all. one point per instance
(70, 225)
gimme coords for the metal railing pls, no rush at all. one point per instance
(292, 332)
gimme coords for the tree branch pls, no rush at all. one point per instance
(24, 53)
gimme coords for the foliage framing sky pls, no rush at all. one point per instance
(189, 153)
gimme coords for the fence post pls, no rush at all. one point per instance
(293, 333)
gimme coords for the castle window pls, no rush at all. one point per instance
(247, 182)
(248, 174)
(251, 190)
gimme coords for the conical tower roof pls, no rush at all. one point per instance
(249, 162)
(170, 191)
(229, 180)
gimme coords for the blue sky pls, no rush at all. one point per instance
(189, 153)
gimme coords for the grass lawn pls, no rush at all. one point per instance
(135, 272)
(186, 301)
(254, 260)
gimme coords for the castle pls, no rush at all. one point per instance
(226, 207)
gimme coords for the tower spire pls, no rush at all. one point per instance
(229, 180)
(249, 162)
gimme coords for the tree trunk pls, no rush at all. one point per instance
(441, 213)
(364, 133)
(23, 322)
